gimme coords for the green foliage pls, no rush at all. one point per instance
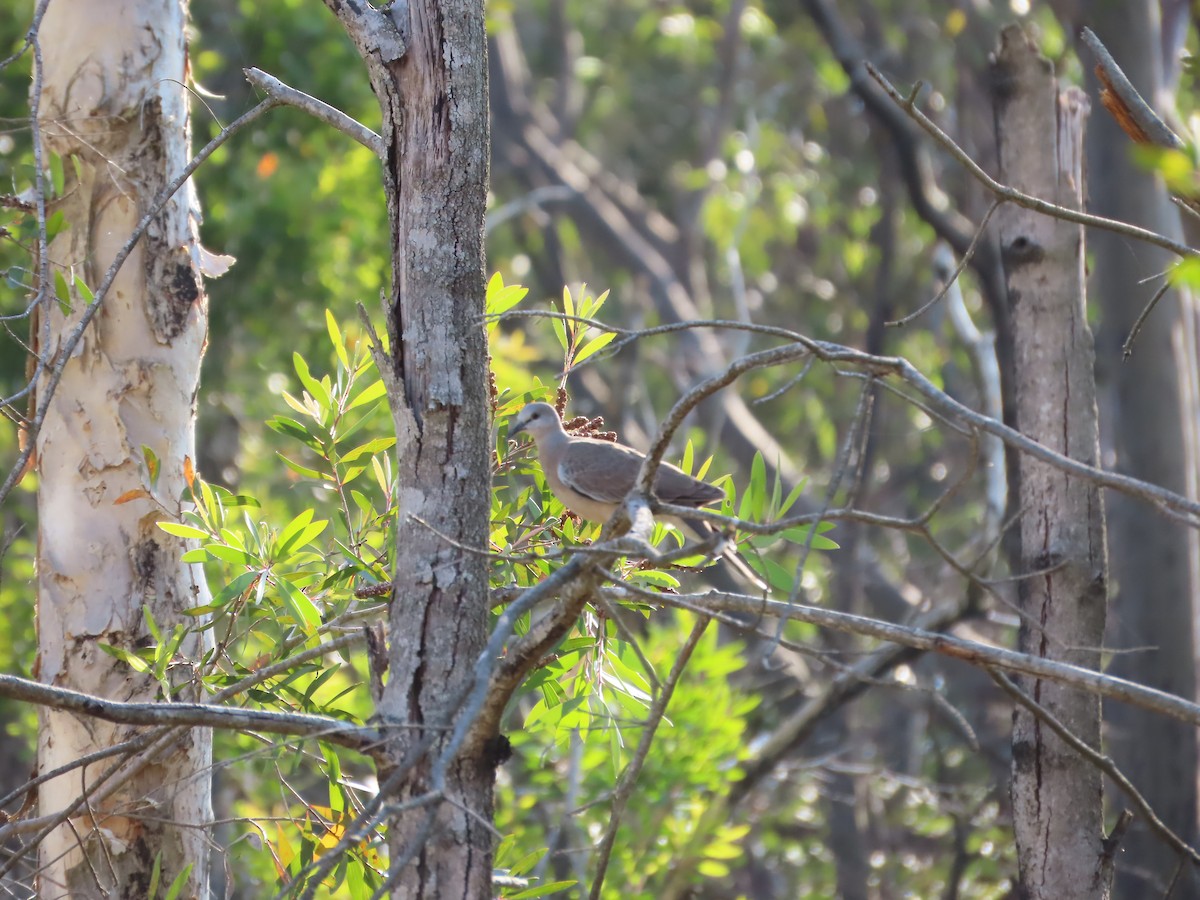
(788, 219)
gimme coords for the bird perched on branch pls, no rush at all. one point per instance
(593, 477)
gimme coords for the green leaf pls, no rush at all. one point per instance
(301, 470)
(315, 388)
(298, 532)
(232, 555)
(688, 457)
(501, 297)
(177, 885)
(712, 869)
(560, 332)
(84, 291)
(134, 661)
(793, 496)
(152, 464)
(184, 531)
(799, 535)
(155, 874)
(371, 393)
(594, 345)
(302, 608)
(148, 618)
(335, 337)
(58, 177)
(56, 224)
(543, 890)
(596, 304)
(376, 445)
(235, 588)
(292, 428)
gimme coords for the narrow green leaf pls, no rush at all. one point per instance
(335, 336)
(302, 608)
(238, 586)
(84, 291)
(232, 555)
(376, 445)
(134, 661)
(148, 618)
(688, 457)
(316, 389)
(155, 874)
(184, 531)
(501, 297)
(298, 533)
(177, 885)
(301, 470)
(56, 224)
(370, 394)
(594, 345)
(542, 890)
(152, 464)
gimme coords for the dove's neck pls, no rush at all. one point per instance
(553, 440)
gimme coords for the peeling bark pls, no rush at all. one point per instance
(114, 107)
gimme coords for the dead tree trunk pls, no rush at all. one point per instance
(114, 107)
(1056, 795)
(428, 66)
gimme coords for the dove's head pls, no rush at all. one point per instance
(538, 420)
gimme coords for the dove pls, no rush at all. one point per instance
(592, 478)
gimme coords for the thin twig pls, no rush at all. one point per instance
(1012, 195)
(1127, 347)
(953, 279)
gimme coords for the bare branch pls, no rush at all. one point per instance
(318, 109)
(1135, 116)
(190, 714)
(947, 645)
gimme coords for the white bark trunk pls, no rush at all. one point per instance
(113, 101)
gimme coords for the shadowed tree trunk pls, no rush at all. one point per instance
(1152, 602)
(428, 66)
(114, 107)
(1057, 813)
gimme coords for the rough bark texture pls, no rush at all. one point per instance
(1141, 397)
(435, 123)
(1056, 795)
(113, 101)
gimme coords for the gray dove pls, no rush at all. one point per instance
(591, 478)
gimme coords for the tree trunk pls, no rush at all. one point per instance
(114, 107)
(1152, 600)
(435, 123)
(1056, 795)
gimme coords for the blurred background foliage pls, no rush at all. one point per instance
(696, 160)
